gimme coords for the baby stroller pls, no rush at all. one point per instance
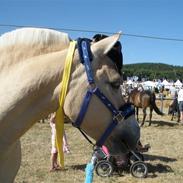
(134, 161)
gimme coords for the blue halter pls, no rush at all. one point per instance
(118, 115)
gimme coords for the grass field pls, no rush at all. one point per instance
(164, 159)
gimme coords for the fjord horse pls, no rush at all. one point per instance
(31, 67)
(143, 99)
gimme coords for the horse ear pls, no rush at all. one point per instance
(103, 46)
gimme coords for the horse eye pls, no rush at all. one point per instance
(115, 84)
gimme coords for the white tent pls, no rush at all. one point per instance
(129, 82)
(166, 84)
(178, 83)
(149, 83)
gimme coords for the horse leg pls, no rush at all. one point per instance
(150, 116)
(137, 113)
(144, 116)
(178, 116)
(10, 160)
(172, 116)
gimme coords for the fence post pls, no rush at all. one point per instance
(161, 98)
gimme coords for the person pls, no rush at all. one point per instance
(173, 91)
(130, 88)
(140, 87)
(54, 153)
(180, 101)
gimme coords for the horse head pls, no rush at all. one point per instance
(107, 79)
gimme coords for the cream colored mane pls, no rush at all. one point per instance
(33, 42)
(32, 36)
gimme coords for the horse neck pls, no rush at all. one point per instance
(12, 55)
(36, 87)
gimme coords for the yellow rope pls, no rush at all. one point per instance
(60, 112)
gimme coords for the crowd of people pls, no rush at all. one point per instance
(175, 93)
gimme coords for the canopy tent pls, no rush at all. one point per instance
(129, 82)
(149, 83)
(178, 83)
(166, 84)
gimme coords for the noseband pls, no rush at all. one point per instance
(117, 115)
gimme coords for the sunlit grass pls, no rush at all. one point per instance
(164, 159)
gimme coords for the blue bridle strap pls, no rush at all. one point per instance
(118, 115)
(105, 101)
(86, 57)
(84, 108)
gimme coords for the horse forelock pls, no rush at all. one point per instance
(33, 36)
(115, 54)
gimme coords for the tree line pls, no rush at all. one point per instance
(151, 71)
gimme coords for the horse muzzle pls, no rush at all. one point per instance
(125, 136)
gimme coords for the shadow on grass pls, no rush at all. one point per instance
(164, 123)
(152, 169)
(78, 167)
(161, 158)
(158, 168)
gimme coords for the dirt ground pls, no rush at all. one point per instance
(164, 159)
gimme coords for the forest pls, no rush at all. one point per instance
(152, 71)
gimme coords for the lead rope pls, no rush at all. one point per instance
(89, 171)
(60, 112)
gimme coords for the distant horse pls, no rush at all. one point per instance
(31, 67)
(173, 109)
(143, 99)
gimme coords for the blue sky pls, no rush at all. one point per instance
(160, 18)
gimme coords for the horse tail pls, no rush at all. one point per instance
(156, 109)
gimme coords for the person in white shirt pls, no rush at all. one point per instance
(173, 91)
(180, 101)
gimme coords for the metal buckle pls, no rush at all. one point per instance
(118, 117)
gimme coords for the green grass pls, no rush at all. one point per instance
(164, 159)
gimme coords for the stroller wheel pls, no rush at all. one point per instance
(139, 169)
(104, 168)
(133, 158)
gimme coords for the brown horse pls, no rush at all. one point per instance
(144, 99)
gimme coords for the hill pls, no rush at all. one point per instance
(153, 71)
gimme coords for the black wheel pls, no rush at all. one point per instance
(139, 169)
(104, 168)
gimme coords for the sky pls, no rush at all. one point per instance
(156, 18)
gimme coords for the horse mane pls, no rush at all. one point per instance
(32, 36)
(21, 44)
